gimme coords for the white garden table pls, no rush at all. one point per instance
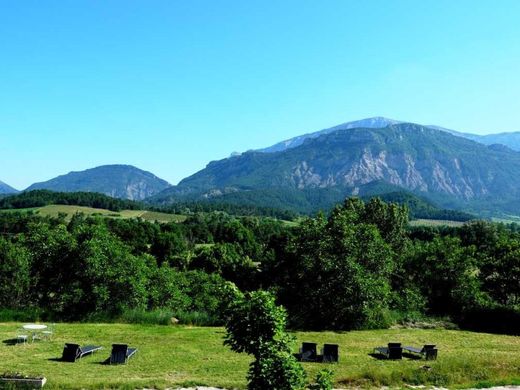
(34, 329)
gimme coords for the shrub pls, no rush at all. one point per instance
(276, 369)
(324, 380)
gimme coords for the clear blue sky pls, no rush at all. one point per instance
(168, 86)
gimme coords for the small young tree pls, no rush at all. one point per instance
(256, 325)
(324, 380)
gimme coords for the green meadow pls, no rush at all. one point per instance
(176, 356)
(435, 222)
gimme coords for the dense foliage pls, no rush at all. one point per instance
(361, 266)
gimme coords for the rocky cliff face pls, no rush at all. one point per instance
(400, 170)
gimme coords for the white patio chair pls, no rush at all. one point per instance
(22, 336)
(49, 332)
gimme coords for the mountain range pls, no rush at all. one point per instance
(449, 169)
(373, 156)
(118, 181)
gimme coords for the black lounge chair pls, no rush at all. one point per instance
(308, 352)
(73, 352)
(330, 353)
(428, 351)
(121, 353)
(392, 351)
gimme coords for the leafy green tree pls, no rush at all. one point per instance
(170, 246)
(256, 325)
(226, 260)
(165, 289)
(53, 252)
(14, 275)
(207, 292)
(500, 274)
(340, 274)
(391, 220)
(254, 320)
(111, 277)
(447, 274)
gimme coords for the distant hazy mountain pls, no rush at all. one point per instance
(118, 181)
(6, 189)
(511, 140)
(416, 158)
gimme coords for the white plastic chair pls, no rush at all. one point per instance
(21, 336)
(49, 332)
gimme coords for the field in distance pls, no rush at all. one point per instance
(435, 222)
(55, 210)
(171, 356)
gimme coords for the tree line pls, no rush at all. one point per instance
(40, 198)
(361, 266)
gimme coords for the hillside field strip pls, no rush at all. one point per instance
(69, 211)
(176, 356)
(435, 222)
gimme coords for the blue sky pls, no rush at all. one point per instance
(168, 86)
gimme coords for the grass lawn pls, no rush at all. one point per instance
(171, 356)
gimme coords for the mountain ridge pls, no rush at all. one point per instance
(510, 139)
(7, 189)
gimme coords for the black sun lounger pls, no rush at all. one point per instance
(330, 353)
(392, 351)
(73, 352)
(428, 351)
(308, 352)
(121, 353)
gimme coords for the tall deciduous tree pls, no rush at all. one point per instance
(341, 270)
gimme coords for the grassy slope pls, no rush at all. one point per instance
(174, 356)
(54, 210)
